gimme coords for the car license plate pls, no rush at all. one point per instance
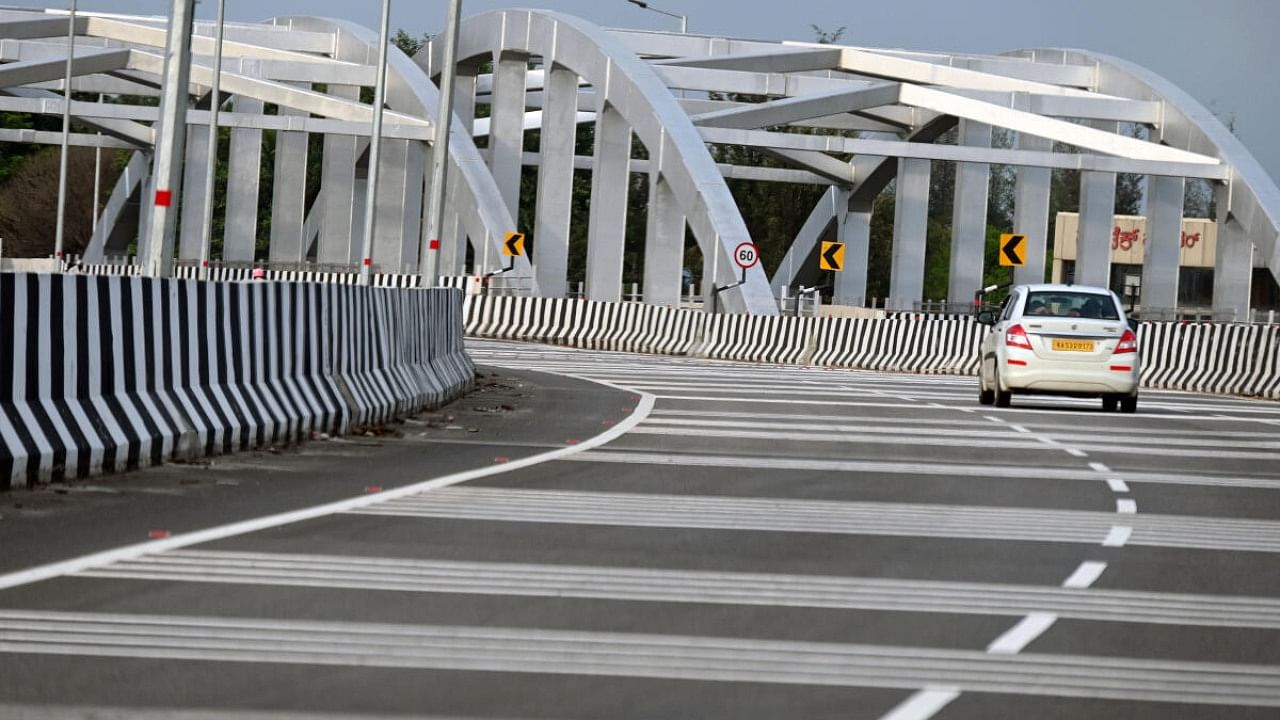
(1073, 345)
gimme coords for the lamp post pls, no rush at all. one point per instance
(375, 150)
(59, 228)
(215, 101)
(440, 153)
(684, 19)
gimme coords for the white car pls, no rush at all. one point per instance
(1060, 340)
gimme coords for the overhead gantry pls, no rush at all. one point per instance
(849, 118)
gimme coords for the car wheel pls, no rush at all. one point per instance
(1129, 405)
(985, 396)
(1109, 404)
(1003, 397)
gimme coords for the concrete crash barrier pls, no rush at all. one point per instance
(1213, 358)
(107, 373)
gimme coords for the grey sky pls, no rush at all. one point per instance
(1223, 52)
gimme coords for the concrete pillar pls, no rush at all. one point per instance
(1232, 265)
(453, 250)
(1031, 211)
(506, 127)
(1163, 251)
(243, 170)
(969, 216)
(663, 244)
(395, 236)
(910, 228)
(1097, 219)
(289, 195)
(555, 182)
(338, 173)
(606, 235)
(853, 228)
(191, 226)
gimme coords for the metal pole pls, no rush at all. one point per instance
(215, 103)
(58, 235)
(375, 149)
(430, 262)
(97, 176)
(170, 140)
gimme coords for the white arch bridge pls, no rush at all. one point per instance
(848, 118)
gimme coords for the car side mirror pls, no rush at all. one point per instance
(986, 317)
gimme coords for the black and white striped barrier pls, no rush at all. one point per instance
(1234, 359)
(104, 373)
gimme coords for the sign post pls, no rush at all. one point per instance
(745, 256)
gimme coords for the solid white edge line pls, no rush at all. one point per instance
(923, 704)
(100, 559)
(1126, 506)
(1117, 485)
(1118, 536)
(1085, 575)
(1019, 636)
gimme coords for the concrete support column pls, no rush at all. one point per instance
(555, 182)
(453, 249)
(191, 226)
(969, 216)
(853, 228)
(1031, 211)
(395, 238)
(289, 195)
(506, 127)
(1097, 219)
(607, 233)
(1163, 251)
(243, 170)
(337, 191)
(1232, 265)
(910, 228)
(663, 244)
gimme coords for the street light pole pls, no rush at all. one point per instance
(684, 19)
(440, 152)
(215, 102)
(66, 138)
(375, 149)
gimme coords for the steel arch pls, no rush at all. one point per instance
(636, 91)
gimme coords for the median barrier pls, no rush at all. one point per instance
(106, 373)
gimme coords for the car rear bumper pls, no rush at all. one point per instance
(1039, 376)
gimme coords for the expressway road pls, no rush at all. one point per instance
(739, 541)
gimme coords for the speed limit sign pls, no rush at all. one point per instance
(746, 255)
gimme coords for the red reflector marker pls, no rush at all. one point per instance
(373, 488)
(1017, 362)
(502, 459)
(368, 261)
(434, 244)
(164, 198)
(158, 534)
(571, 441)
(1121, 368)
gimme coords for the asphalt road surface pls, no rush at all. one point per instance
(618, 536)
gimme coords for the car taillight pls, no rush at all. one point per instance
(1015, 336)
(1128, 343)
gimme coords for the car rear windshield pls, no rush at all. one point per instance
(1071, 304)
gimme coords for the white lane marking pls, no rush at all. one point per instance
(1019, 636)
(993, 418)
(96, 560)
(1076, 452)
(1050, 442)
(1019, 428)
(1117, 485)
(923, 704)
(1127, 506)
(1099, 467)
(1118, 536)
(1085, 575)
